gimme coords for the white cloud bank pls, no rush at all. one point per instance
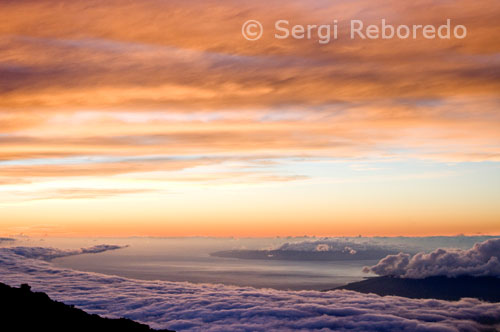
(51, 253)
(483, 259)
(334, 245)
(208, 307)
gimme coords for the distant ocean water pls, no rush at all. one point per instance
(188, 259)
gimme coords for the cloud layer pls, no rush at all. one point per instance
(156, 64)
(191, 55)
(335, 245)
(483, 259)
(208, 307)
(51, 253)
(102, 109)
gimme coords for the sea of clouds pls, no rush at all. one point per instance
(483, 259)
(52, 253)
(208, 307)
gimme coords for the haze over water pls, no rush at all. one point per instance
(189, 259)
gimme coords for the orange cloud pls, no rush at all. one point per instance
(190, 55)
(108, 90)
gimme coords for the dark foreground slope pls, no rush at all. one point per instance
(452, 289)
(24, 310)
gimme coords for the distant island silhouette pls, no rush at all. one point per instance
(438, 287)
(300, 255)
(24, 310)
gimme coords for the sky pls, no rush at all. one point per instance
(157, 118)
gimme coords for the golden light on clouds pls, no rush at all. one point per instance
(159, 118)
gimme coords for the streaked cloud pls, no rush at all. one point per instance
(105, 91)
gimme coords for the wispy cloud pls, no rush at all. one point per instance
(173, 87)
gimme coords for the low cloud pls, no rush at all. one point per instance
(6, 239)
(208, 307)
(334, 245)
(483, 259)
(51, 253)
(325, 249)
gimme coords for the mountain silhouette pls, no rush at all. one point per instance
(24, 310)
(439, 287)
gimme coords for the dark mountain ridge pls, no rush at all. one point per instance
(24, 310)
(439, 287)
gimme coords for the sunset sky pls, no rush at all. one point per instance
(158, 118)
